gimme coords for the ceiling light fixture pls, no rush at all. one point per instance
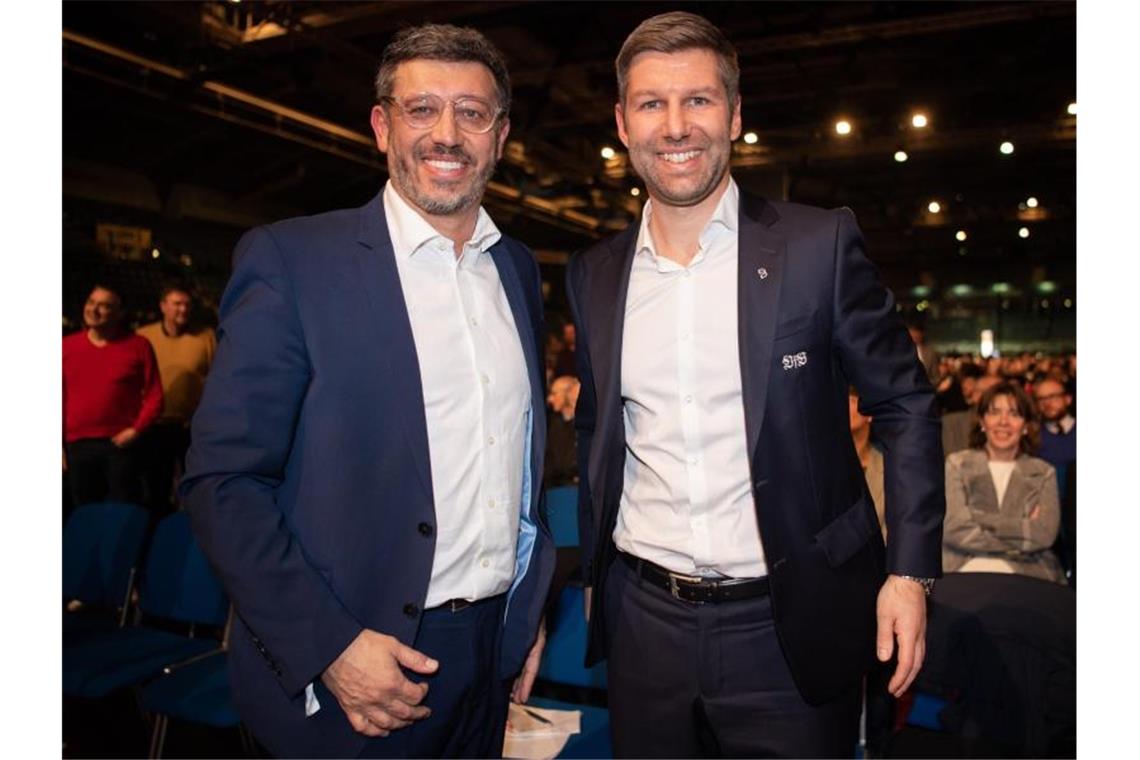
(751, 138)
(901, 156)
(918, 120)
(608, 153)
(843, 127)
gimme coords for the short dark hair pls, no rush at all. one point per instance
(1030, 441)
(174, 286)
(672, 33)
(111, 286)
(443, 42)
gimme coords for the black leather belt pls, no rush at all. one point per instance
(455, 605)
(691, 588)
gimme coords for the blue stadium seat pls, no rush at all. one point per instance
(102, 543)
(562, 515)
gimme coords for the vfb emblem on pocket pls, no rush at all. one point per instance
(795, 361)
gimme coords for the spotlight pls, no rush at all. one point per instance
(635, 191)
(918, 120)
(608, 153)
(1006, 148)
(934, 207)
(843, 127)
(1072, 109)
(1023, 233)
(901, 156)
(960, 236)
(154, 254)
(751, 138)
(1031, 202)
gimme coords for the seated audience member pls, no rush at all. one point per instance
(184, 353)
(111, 395)
(957, 427)
(1002, 508)
(566, 363)
(1059, 448)
(561, 447)
(1058, 426)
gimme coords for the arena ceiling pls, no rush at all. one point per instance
(239, 112)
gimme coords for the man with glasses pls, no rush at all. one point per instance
(1059, 448)
(368, 453)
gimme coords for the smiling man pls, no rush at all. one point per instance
(367, 458)
(740, 585)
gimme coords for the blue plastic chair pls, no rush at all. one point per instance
(562, 663)
(562, 515)
(198, 692)
(179, 587)
(102, 543)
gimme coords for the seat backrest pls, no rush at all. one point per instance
(102, 542)
(565, 652)
(179, 584)
(562, 515)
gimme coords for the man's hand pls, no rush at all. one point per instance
(520, 693)
(367, 682)
(902, 615)
(125, 437)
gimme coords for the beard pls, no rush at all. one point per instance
(433, 197)
(680, 191)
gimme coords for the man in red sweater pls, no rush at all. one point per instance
(111, 394)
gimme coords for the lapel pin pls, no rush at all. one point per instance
(762, 272)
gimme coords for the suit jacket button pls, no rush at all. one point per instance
(411, 610)
(425, 529)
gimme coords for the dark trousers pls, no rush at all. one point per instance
(98, 470)
(709, 680)
(163, 448)
(467, 698)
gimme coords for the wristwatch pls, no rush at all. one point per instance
(926, 583)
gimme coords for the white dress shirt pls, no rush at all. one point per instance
(476, 399)
(687, 502)
(476, 403)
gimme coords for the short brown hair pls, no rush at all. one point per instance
(1030, 441)
(443, 42)
(673, 32)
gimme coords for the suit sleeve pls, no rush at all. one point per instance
(879, 358)
(585, 414)
(242, 434)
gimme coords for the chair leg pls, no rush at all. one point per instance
(158, 736)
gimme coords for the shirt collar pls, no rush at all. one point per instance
(1063, 425)
(411, 233)
(725, 219)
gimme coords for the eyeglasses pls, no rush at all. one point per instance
(1050, 397)
(473, 115)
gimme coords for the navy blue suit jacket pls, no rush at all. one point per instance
(308, 480)
(817, 320)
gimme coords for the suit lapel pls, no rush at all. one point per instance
(381, 282)
(760, 275)
(513, 287)
(610, 286)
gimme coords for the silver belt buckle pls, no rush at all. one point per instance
(675, 589)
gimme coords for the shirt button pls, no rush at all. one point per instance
(684, 336)
(694, 460)
(491, 503)
(486, 380)
(486, 563)
(688, 399)
(474, 322)
(425, 529)
(687, 273)
(411, 610)
(491, 440)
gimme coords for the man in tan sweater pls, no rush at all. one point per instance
(184, 354)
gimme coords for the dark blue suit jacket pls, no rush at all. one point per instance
(816, 320)
(309, 481)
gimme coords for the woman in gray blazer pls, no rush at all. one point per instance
(1002, 508)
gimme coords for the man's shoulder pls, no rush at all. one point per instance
(616, 243)
(151, 332)
(334, 224)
